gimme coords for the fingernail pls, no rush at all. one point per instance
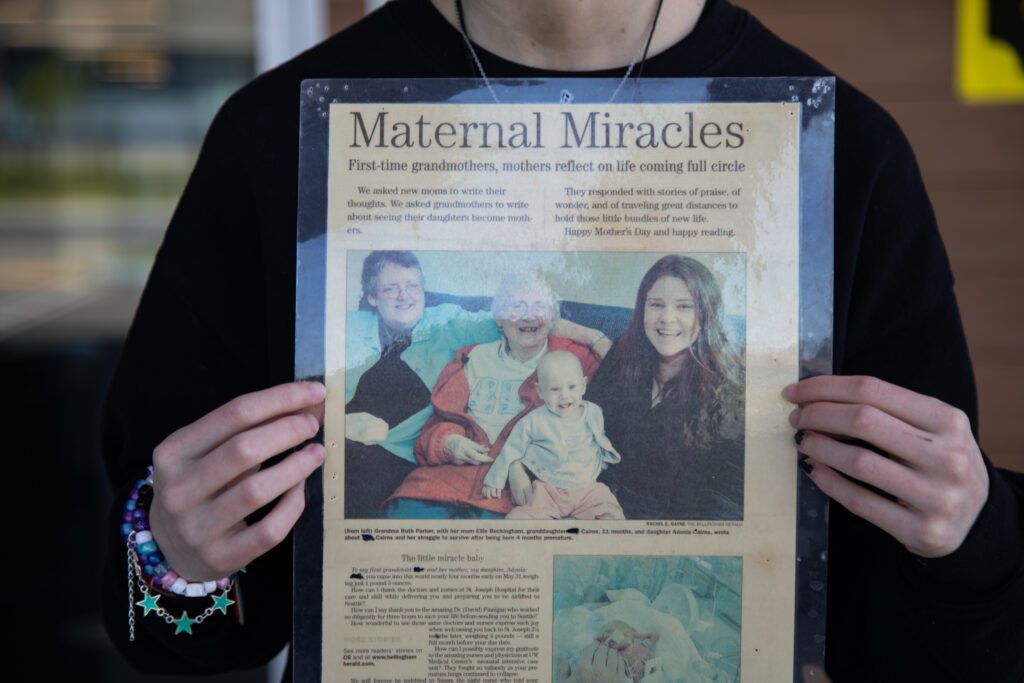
(788, 391)
(318, 389)
(799, 436)
(794, 416)
(805, 466)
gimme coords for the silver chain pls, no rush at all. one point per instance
(131, 592)
(135, 579)
(641, 55)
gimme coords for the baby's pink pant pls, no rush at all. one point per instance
(550, 502)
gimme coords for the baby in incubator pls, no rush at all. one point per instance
(622, 649)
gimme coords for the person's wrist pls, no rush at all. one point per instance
(137, 532)
(150, 575)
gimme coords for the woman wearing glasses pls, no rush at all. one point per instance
(395, 352)
(477, 401)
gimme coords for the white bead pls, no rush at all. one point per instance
(209, 587)
(143, 537)
(178, 587)
(194, 590)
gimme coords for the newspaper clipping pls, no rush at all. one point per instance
(556, 336)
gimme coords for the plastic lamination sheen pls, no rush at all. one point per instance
(815, 97)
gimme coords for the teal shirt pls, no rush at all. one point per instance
(441, 332)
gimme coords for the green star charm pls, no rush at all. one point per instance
(222, 602)
(148, 603)
(183, 624)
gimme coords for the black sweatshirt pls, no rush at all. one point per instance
(217, 320)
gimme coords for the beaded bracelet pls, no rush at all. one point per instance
(147, 569)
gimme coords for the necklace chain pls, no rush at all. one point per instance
(640, 56)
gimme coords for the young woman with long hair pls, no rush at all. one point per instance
(672, 392)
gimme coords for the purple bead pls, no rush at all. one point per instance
(141, 525)
(224, 583)
(135, 494)
(168, 579)
(127, 517)
(139, 513)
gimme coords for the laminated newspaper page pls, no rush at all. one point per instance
(554, 330)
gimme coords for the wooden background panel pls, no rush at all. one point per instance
(988, 243)
(344, 13)
(972, 160)
(971, 143)
(864, 44)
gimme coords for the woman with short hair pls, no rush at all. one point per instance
(477, 401)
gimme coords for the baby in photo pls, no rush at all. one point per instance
(637, 661)
(563, 445)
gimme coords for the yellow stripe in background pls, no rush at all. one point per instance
(988, 71)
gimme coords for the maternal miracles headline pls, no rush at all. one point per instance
(578, 130)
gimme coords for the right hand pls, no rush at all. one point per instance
(365, 428)
(461, 450)
(207, 479)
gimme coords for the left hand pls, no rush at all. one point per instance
(365, 428)
(519, 484)
(933, 466)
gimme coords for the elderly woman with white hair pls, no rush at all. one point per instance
(477, 400)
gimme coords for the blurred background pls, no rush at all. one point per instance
(103, 105)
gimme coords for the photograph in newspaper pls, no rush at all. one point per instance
(526, 422)
(554, 338)
(652, 618)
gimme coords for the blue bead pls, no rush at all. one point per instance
(155, 558)
(125, 530)
(147, 548)
(147, 570)
(130, 505)
(161, 569)
(139, 513)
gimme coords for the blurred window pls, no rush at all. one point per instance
(103, 105)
